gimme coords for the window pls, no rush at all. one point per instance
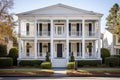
(117, 51)
(118, 40)
(27, 28)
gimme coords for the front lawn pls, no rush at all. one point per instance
(94, 71)
(23, 72)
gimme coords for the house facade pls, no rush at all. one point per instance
(111, 41)
(59, 30)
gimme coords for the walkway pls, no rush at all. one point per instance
(59, 73)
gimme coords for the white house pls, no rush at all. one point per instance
(111, 41)
(62, 29)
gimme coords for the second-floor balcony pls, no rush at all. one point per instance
(43, 34)
(59, 34)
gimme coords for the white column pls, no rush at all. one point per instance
(94, 44)
(35, 39)
(51, 40)
(67, 39)
(99, 43)
(83, 38)
(19, 35)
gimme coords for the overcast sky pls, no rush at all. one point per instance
(100, 6)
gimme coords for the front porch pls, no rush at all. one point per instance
(59, 49)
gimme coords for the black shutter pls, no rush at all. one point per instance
(77, 49)
(90, 49)
(27, 50)
(69, 49)
(40, 49)
(77, 29)
(37, 28)
(90, 29)
(48, 28)
(27, 28)
(81, 49)
(40, 28)
(69, 28)
(48, 47)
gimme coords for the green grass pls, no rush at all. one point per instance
(27, 70)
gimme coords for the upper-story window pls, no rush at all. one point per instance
(27, 28)
(118, 40)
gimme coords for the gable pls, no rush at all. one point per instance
(59, 9)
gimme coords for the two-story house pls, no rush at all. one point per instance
(59, 30)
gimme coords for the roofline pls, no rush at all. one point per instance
(66, 6)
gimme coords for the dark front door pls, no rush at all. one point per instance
(59, 50)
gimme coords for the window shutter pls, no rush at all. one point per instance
(69, 28)
(77, 29)
(40, 28)
(49, 47)
(48, 28)
(27, 28)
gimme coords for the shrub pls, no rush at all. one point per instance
(13, 53)
(112, 61)
(6, 61)
(46, 65)
(72, 59)
(82, 63)
(47, 56)
(30, 63)
(3, 51)
(70, 65)
(104, 53)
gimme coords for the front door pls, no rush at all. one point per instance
(59, 50)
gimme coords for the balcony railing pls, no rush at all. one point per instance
(75, 33)
(27, 34)
(43, 33)
(90, 34)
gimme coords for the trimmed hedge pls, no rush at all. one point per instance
(70, 65)
(13, 53)
(3, 51)
(112, 61)
(6, 61)
(82, 63)
(104, 53)
(46, 65)
(34, 63)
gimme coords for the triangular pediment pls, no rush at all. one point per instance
(59, 9)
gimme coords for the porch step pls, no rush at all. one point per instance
(59, 63)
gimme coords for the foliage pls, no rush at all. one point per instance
(116, 56)
(72, 58)
(30, 63)
(13, 53)
(46, 65)
(82, 63)
(6, 62)
(104, 53)
(113, 19)
(112, 61)
(3, 51)
(6, 20)
(70, 65)
(47, 56)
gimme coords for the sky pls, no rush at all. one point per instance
(100, 6)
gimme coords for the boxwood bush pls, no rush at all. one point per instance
(104, 53)
(13, 53)
(112, 61)
(70, 65)
(6, 61)
(82, 63)
(3, 51)
(34, 63)
(46, 65)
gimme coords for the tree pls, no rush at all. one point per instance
(113, 20)
(6, 20)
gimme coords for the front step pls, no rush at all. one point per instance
(59, 63)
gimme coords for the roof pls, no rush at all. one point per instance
(59, 9)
